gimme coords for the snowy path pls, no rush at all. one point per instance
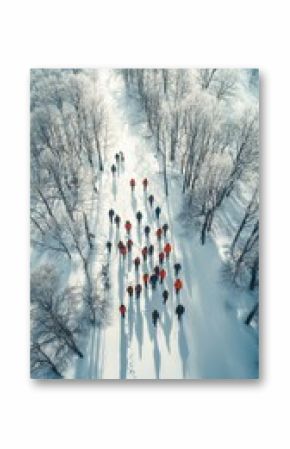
(210, 342)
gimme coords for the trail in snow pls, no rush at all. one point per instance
(209, 342)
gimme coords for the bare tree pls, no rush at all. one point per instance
(55, 320)
(249, 215)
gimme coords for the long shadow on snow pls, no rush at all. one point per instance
(123, 350)
(139, 327)
(183, 348)
(156, 353)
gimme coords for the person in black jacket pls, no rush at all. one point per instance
(147, 230)
(165, 296)
(155, 317)
(109, 246)
(165, 229)
(111, 215)
(153, 280)
(151, 199)
(177, 268)
(151, 250)
(139, 216)
(117, 221)
(157, 212)
(179, 311)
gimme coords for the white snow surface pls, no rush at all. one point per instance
(210, 342)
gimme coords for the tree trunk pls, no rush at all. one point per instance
(204, 227)
(254, 273)
(252, 314)
(49, 361)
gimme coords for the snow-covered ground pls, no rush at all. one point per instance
(210, 341)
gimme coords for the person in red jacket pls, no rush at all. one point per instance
(122, 309)
(130, 291)
(123, 251)
(162, 275)
(132, 184)
(178, 285)
(167, 249)
(145, 183)
(138, 290)
(120, 244)
(161, 258)
(159, 233)
(137, 262)
(129, 245)
(144, 252)
(128, 226)
(145, 279)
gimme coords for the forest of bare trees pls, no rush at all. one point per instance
(69, 129)
(199, 132)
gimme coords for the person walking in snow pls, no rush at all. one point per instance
(153, 280)
(145, 183)
(151, 250)
(129, 245)
(167, 249)
(120, 245)
(113, 169)
(162, 275)
(139, 217)
(165, 296)
(159, 234)
(128, 226)
(117, 157)
(145, 279)
(177, 268)
(158, 212)
(165, 229)
(122, 309)
(147, 231)
(161, 258)
(109, 246)
(144, 253)
(123, 251)
(178, 285)
(180, 309)
(157, 270)
(137, 263)
(130, 291)
(132, 184)
(111, 215)
(117, 220)
(122, 157)
(151, 200)
(155, 317)
(138, 290)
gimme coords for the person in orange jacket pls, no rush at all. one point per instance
(162, 275)
(167, 249)
(128, 226)
(123, 251)
(137, 262)
(132, 184)
(145, 183)
(144, 252)
(159, 233)
(129, 245)
(145, 279)
(161, 258)
(122, 309)
(178, 285)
